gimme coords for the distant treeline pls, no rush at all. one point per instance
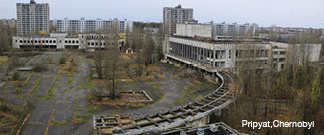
(141, 25)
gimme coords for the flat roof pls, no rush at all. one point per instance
(219, 41)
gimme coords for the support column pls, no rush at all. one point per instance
(182, 50)
(214, 65)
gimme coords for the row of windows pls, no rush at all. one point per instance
(37, 41)
(72, 41)
(47, 41)
(96, 43)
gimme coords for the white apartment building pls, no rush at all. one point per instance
(174, 15)
(90, 26)
(32, 17)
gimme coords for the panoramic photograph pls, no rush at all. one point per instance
(150, 67)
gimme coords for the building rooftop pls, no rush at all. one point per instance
(229, 40)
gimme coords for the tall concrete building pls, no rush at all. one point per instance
(172, 16)
(32, 17)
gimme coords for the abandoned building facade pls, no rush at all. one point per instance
(198, 46)
(89, 42)
(89, 26)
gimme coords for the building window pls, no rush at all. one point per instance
(66, 41)
(46, 41)
(54, 41)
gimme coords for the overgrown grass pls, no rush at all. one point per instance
(57, 77)
(133, 81)
(75, 107)
(54, 122)
(189, 91)
(80, 115)
(3, 59)
(181, 100)
(36, 86)
(89, 97)
(81, 86)
(136, 104)
(27, 79)
(160, 95)
(49, 77)
(49, 94)
(79, 120)
(5, 120)
(81, 60)
(91, 84)
(66, 90)
(10, 85)
(93, 107)
(155, 86)
(69, 81)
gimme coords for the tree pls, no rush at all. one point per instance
(5, 37)
(128, 38)
(52, 28)
(137, 44)
(148, 48)
(99, 56)
(112, 65)
(159, 37)
(316, 91)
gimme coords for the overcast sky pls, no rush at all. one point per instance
(285, 13)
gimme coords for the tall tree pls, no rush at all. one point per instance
(113, 64)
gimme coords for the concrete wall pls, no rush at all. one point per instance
(191, 30)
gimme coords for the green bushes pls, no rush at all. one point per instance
(39, 67)
(62, 60)
(15, 76)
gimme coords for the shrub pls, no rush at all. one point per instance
(15, 76)
(147, 73)
(90, 75)
(39, 67)
(72, 60)
(70, 68)
(62, 60)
